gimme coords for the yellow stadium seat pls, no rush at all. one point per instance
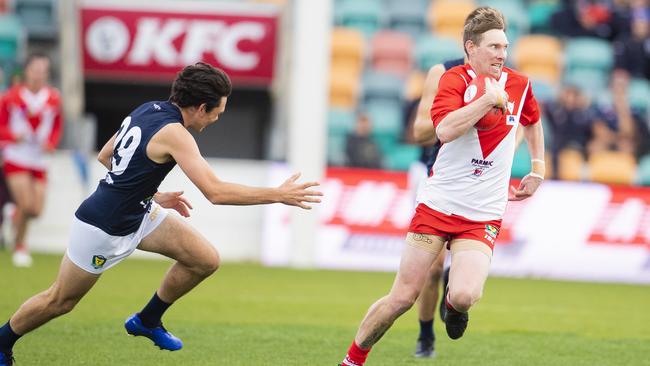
(447, 17)
(344, 87)
(570, 165)
(539, 56)
(613, 167)
(348, 47)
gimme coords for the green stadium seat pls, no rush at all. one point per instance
(539, 15)
(336, 149)
(431, 50)
(401, 156)
(12, 37)
(643, 171)
(588, 53)
(39, 17)
(639, 94)
(592, 82)
(364, 15)
(387, 126)
(383, 87)
(521, 162)
(408, 18)
(340, 121)
(543, 90)
(516, 16)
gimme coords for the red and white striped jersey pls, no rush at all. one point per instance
(34, 116)
(471, 174)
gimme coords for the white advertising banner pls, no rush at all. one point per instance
(576, 231)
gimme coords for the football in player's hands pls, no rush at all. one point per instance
(477, 89)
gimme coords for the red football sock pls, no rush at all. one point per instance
(356, 356)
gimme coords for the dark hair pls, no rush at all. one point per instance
(34, 56)
(200, 83)
(479, 21)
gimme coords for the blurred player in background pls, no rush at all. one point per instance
(30, 125)
(126, 211)
(463, 200)
(424, 134)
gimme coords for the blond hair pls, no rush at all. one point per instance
(481, 20)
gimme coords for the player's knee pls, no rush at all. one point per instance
(209, 263)
(403, 301)
(463, 299)
(435, 274)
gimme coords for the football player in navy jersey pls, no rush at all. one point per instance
(126, 211)
(424, 134)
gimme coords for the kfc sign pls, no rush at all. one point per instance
(133, 43)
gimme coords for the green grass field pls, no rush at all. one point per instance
(251, 315)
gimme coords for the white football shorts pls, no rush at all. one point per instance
(95, 251)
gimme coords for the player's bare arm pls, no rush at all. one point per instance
(106, 153)
(423, 130)
(456, 123)
(534, 135)
(175, 142)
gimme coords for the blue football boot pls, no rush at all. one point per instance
(159, 335)
(6, 358)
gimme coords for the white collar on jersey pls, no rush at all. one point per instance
(35, 101)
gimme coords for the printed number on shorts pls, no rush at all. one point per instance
(126, 142)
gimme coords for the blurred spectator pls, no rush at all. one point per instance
(607, 134)
(591, 18)
(571, 121)
(632, 51)
(361, 151)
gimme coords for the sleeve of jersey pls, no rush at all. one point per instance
(449, 98)
(5, 133)
(57, 129)
(530, 112)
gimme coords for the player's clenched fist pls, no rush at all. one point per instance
(495, 94)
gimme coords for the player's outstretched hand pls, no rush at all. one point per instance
(527, 188)
(298, 194)
(496, 94)
(174, 200)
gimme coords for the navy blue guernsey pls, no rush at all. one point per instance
(122, 198)
(430, 153)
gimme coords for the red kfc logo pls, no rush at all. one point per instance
(148, 44)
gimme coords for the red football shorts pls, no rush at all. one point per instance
(10, 169)
(429, 221)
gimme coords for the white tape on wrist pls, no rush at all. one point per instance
(537, 161)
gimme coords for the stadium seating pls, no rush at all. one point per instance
(588, 53)
(431, 50)
(401, 156)
(39, 17)
(539, 56)
(348, 47)
(613, 167)
(381, 87)
(643, 171)
(407, 16)
(392, 52)
(543, 90)
(446, 17)
(516, 16)
(539, 15)
(364, 15)
(639, 95)
(344, 88)
(386, 122)
(571, 165)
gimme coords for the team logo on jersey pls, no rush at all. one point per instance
(98, 261)
(511, 120)
(491, 230)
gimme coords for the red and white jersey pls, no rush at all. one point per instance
(34, 116)
(471, 174)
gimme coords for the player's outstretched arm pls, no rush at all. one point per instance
(534, 135)
(106, 153)
(423, 130)
(175, 141)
